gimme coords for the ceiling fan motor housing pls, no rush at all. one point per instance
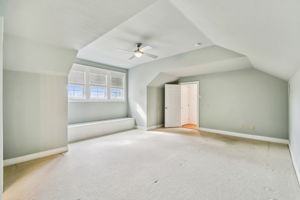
(138, 45)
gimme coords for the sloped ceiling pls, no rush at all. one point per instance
(161, 25)
(267, 31)
(67, 23)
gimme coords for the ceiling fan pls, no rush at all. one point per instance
(140, 51)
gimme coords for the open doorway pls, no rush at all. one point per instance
(189, 105)
(182, 105)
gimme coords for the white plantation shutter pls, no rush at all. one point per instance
(98, 79)
(117, 80)
(77, 77)
(87, 83)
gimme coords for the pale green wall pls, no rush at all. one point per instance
(35, 108)
(294, 128)
(246, 101)
(155, 106)
(35, 96)
(202, 61)
(94, 111)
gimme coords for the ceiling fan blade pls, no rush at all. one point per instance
(132, 57)
(145, 48)
(151, 55)
(124, 50)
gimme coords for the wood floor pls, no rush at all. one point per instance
(189, 126)
(163, 164)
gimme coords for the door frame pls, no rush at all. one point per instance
(198, 99)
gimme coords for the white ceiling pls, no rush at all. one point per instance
(160, 25)
(267, 31)
(207, 60)
(66, 23)
(229, 64)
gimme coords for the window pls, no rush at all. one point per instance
(93, 84)
(75, 91)
(117, 86)
(76, 84)
(97, 85)
(97, 93)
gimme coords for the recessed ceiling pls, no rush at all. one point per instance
(67, 23)
(161, 25)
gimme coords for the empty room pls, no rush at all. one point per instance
(149, 99)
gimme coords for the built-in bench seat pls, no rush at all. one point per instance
(81, 131)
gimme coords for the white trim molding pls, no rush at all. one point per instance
(34, 156)
(296, 167)
(245, 135)
(145, 128)
(155, 126)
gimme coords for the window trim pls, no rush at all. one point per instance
(87, 85)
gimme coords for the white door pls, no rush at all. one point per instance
(172, 105)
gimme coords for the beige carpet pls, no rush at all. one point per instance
(164, 164)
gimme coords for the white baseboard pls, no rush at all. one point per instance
(245, 135)
(144, 128)
(296, 167)
(34, 156)
(155, 126)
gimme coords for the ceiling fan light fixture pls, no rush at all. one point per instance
(138, 54)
